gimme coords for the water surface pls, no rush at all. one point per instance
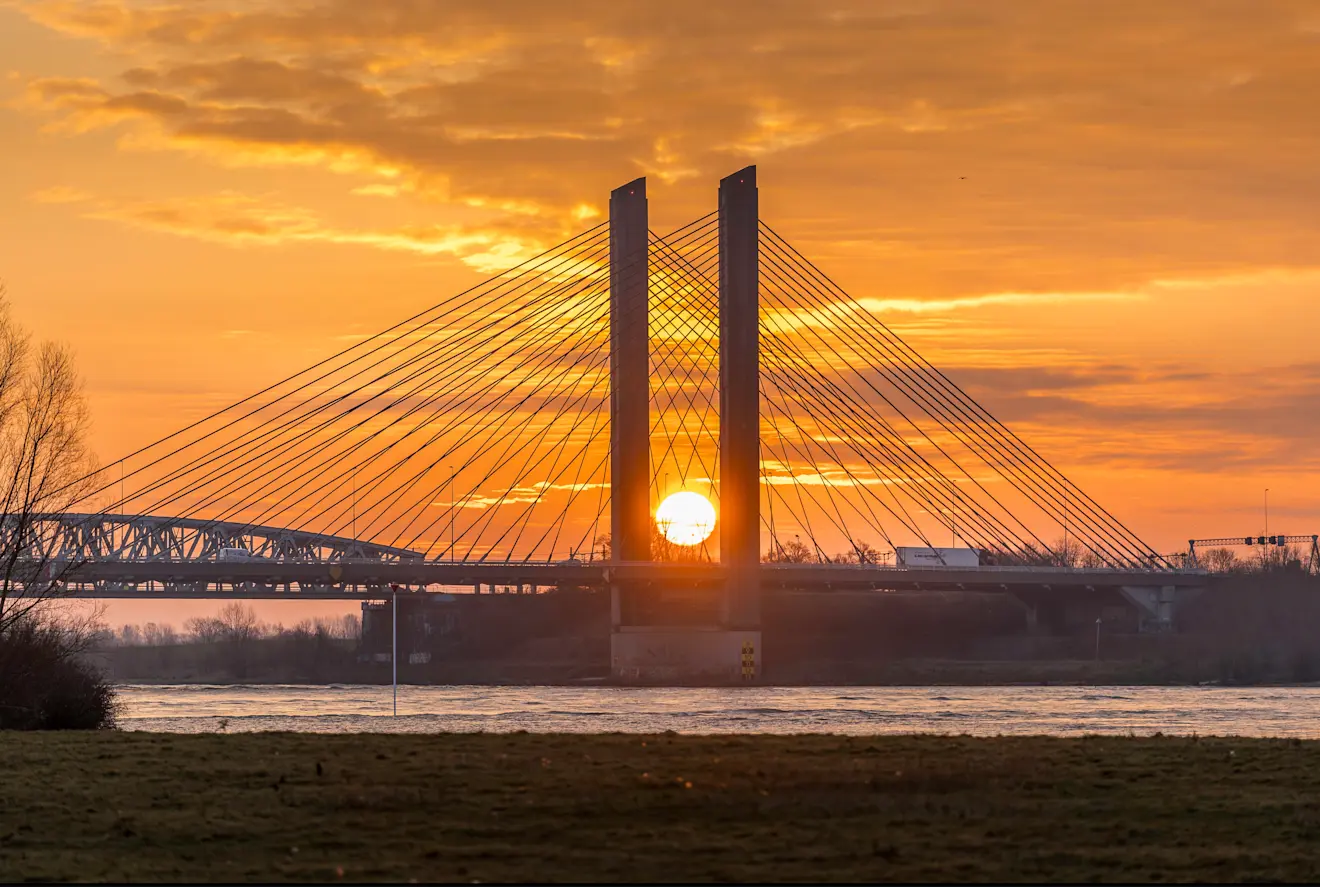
(979, 711)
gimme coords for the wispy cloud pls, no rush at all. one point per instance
(241, 220)
(60, 194)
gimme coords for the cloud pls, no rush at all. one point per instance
(240, 220)
(977, 148)
(783, 315)
(60, 194)
(378, 191)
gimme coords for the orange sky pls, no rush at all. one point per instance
(1101, 220)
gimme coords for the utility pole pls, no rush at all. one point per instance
(1267, 511)
(1065, 523)
(394, 654)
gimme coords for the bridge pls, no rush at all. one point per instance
(520, 433)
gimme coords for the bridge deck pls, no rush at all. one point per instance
(372, 579)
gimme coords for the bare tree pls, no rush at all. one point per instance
(204, 629)
(346, 628)
(238, 622)
(861, 553)
(1219, 560)
(154, 635)
(235, 627)
(794, 551)
(45, 466)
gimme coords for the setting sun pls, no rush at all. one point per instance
(686, 518)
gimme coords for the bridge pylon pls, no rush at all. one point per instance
(654, 637)
(740, 400)
(630, 392)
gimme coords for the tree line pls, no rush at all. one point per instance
(233, 623)
(234, 644)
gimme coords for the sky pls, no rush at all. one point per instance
(1101, 220)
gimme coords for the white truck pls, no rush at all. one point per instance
(915, 556)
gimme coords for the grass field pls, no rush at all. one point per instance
(133, 806)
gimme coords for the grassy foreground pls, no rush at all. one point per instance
(656, 808)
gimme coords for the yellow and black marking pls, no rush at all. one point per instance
(748, 660)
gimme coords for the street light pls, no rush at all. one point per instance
(394, 654)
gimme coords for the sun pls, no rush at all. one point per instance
(686, 518)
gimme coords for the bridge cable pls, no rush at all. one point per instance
(428, 313)
(1056, 479)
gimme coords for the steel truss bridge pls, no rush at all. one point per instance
(138, 538)
(521, 433)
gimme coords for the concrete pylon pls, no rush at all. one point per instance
(740, 399)
(630, 391)
(653, 644)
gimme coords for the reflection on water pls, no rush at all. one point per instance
(984, 711)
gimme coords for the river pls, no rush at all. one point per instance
(979, 711)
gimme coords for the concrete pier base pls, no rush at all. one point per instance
(686, 654)
(1158, 605)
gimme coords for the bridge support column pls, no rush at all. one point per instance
(740, 399)
(630, 390)
(1158, 604)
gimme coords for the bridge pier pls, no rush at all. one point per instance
(1158, 604)
(1066, 609)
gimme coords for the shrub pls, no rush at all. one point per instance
(46, 683)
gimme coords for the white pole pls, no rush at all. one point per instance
(394, 657)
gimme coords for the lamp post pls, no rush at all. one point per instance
(1097, 639)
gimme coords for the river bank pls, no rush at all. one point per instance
(516, 807)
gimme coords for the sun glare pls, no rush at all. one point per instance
(686, 518)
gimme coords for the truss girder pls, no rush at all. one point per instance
(138, 538)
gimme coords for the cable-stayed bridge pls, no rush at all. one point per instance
(522, 432)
